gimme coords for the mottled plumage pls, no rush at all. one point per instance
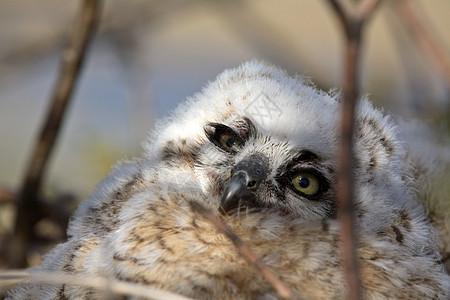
(259, 148)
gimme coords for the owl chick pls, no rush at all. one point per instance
(257, 148)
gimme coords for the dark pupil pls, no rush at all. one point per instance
(303, 182)
(230, 143)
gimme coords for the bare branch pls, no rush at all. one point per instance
(366, 8)
(342, 15)
(352, 25)
(72, 61)
(427, 42)
(7, 196)
(116, 287)
(283, 290)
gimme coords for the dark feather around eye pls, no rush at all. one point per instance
(304, 162)
(246, 128)
(216, 132)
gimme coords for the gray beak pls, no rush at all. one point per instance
(245, 179)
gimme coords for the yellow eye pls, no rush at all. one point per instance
(306, 183)
(229, 142)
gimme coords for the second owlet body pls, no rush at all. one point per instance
(259, 148)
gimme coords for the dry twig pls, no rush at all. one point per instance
(116, 287)
(424, 37)
(352, 25)
(7, 197)
(283, 290)
(72, 61)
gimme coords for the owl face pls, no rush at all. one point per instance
(256, 139)
(250, 170)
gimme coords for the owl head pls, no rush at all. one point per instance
(257, 139)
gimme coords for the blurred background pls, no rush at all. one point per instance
(150, 55)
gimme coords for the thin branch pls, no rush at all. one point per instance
(345, 173)
(7, 197)
(366, 9)
(427, 42)
(114, 286)
(340, 12)
(283, 290)
(72, 62)
(352, 25)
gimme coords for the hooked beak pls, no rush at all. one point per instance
(246, 177)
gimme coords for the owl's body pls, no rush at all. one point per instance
(258, 148)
